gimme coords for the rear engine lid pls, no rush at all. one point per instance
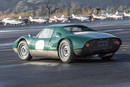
(93, 35)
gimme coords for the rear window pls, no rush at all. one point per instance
(77, 28)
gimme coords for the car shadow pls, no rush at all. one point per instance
(116, 58)
(50, 60)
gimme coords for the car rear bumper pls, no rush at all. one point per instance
(90, 52)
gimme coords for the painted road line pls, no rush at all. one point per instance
(10, 31)
(115, 30)
(5, 49)
(25, 27)
(6, 44)
(43, 63)
(29, 63)
(11, 66)
(4, 31)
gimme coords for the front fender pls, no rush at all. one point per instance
(26, 38)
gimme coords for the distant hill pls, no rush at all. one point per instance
(24, 5)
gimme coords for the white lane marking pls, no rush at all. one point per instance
(26, 28)
(4, 49)
(39, 45)
(4, 31)
(124, 32)
(6, 44)
(43, 63)
(113, 30)
(29, 63)
(10, 66)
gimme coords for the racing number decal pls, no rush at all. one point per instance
(39, 45)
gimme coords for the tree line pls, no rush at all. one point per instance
(49, 9)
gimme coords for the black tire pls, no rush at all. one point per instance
(107, 57)
(65, 51)
(23, 51)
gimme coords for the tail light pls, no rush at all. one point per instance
(116, 42)
(88, 45)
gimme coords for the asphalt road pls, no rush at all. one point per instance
(40, 72)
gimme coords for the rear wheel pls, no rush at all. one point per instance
(65, 51)
(23, 51)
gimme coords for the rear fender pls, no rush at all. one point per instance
(77, 42)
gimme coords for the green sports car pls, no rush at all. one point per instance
(67, 42)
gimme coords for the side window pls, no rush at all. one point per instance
(45, 33)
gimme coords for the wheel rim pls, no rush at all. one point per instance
(64, 51)
(23, 51)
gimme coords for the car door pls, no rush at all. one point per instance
(54, 40)
(40, 44)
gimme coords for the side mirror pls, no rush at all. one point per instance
(58, 34)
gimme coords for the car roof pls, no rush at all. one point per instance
(64, 25)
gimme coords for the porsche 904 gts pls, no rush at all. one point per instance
(67, 42)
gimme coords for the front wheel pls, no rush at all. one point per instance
(65, 51)
(23, 51)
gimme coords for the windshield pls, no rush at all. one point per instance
(77, 29)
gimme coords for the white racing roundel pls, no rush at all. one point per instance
(39, 45)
